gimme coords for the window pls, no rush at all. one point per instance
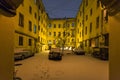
(85, 43)
(72, 40)
(59, 25)
(21, 20)
(80, 24)
(30, 26)
(98, 4)
(80, 34)
(39, 18)
(90, 27)
(59, 34)
(86, 17)
(54, 33)
(73, 33)
(90, 42)
(30, 42)
(54, 25)
(86, 2)
(35, 28)
(20, 41)
(73, 24)
(35, 15)
(97, 22)
(86, 30)
(39, 27)
(50, 34)
(91, 12)
(64, 34)
(50, 25)
(30, 9)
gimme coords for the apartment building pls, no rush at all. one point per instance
(92, 29)
(30, 25)
(61, 32)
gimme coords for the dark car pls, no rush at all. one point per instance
(55, 53)
(79, 51)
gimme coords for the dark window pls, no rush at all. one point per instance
(80, 34)
(86, 17)
(54, 25)
(97, 22)
(20, 41)
(59, 34)
(90, 27)
(91, 12)
(54, 33)
(35, 15)
(90, 42)
(86, 2)
(86, 30)
(59, 25)
(35, 28)
(30, 42)
(49, 33)
(30, 26)
(30, 9)
(39, 27)
(64, 34)
(21, 20)
(39, 18)
(98, 4)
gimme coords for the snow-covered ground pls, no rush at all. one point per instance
(71, 67)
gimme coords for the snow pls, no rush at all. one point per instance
(71, 67)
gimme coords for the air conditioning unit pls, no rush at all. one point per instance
(8, 7)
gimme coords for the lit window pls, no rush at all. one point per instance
(35, 28)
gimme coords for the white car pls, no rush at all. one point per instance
(79, 51)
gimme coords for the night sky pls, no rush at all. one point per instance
(61, 8)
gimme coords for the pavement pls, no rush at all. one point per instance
(71, 67)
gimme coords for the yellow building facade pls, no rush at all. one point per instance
(30, 30)
(61, 32)
(92, 28)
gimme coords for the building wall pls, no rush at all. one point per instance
(24, 31)
(114, 64)
(90, 34)
(43, 23)
(65, 25)
(6, 48)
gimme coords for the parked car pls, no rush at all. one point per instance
(67, 50)
(79, 51)
(101, 52)
(22, 53)
(55, 53)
